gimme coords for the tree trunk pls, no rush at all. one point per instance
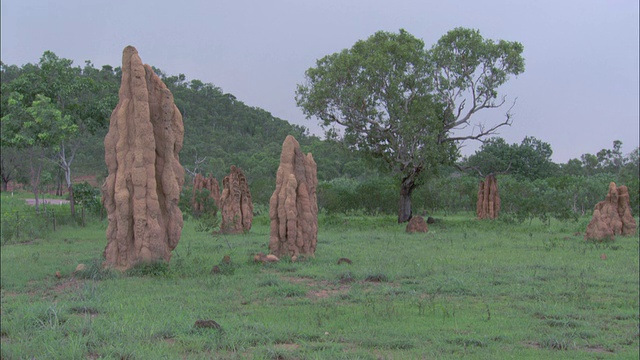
(58, 185)
(67, 177)
(404, 209)
(65, 164)
(35, 182)
(73, 208)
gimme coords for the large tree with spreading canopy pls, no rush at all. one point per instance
(412, 107)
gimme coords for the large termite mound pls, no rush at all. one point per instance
(236, 206)
(293, 207)
(488, 205)
(612, 216)
(142, 189)
(198, 200)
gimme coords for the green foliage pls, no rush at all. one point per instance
(530, 160)
(207, 222)
(372, 196)
(87, 196)
(153, 269)
(451, 192)
(38, 124)
(205, 215)
(94, 271)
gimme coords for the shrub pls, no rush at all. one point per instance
(87, 196)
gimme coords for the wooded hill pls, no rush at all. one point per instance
(221, 130)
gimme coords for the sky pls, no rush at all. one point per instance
(579, 91)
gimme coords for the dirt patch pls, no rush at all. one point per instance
(61, 286)
(590, 348)
(325, 293)
(66, 285)
(532, 345)
(320, 289)
(84, 311)
(597, 349)
(287, 346)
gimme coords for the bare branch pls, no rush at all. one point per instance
(483, 132)
(477, 169)
(196, 166)
(468, 168)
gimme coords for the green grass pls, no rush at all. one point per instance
(468, 288)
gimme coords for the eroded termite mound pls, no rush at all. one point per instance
(142, 189)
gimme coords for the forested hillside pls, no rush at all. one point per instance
(55, 116)
(220, 130)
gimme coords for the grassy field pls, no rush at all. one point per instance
(466, 289)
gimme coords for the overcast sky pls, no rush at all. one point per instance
(579, 91)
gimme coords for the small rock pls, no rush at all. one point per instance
(603, 256)
(260, 257)
(226, 259)
(81, 267)
(58, 275)
(215, 269)
(271, 258)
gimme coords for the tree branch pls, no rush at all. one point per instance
(483, 132)
(197, 164)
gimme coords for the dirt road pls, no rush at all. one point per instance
(48, 201)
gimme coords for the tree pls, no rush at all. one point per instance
(394, 99)
(87, 102)
(35, 128)
(611, 160)
(589, 164)
(494, 156)
(76, 93)
(531, 159)
(9, 165)
(573, 167)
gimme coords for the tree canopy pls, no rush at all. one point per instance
(531, 159)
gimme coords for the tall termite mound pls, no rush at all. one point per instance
(293, 207)
(612, 216)
(236, 206)
(142, 189)
(200, 183)
(488, 205)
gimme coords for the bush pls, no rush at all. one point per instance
(371, 196)
(21, 226)
(88, 197)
